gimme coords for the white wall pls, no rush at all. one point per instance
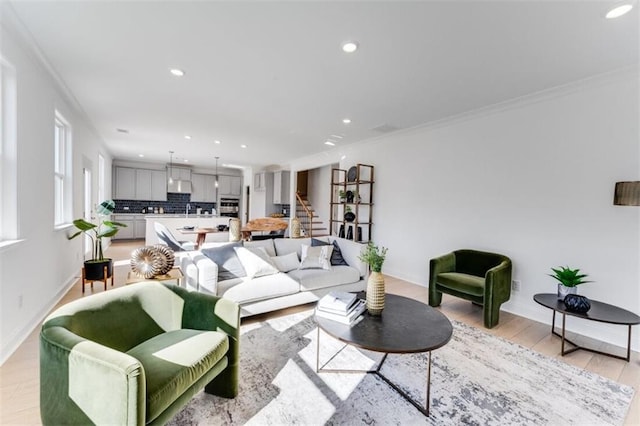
(532, 179)
(40, 269)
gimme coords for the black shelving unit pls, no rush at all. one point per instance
(360, 184)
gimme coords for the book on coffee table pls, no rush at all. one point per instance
(339, 302)
(348, 318)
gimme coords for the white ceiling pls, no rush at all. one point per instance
(272, 75)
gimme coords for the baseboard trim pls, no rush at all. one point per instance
(21, 335)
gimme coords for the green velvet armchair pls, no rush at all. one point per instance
(136, 355)
(481, 277)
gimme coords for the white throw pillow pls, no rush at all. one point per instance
(318, 257)
(287, 262)
(255, 261)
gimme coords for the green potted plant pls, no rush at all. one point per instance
(568, 280)
(342, 195)
(94, 267)
(374, 256)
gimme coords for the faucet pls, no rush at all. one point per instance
(186, 214)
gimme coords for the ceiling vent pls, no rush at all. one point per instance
(385, 128)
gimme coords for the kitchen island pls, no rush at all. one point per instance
(175, 222)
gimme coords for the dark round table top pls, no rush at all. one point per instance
(405, 326)
(601, 312)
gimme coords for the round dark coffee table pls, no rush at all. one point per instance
(601, 312)
(405, 326)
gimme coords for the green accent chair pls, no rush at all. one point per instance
(136, 355)
(481, 277)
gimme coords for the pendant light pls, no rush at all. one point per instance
(217, 171)
(170, 167)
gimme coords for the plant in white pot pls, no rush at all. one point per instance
(94, 267)
(568, 280)
(374, 257)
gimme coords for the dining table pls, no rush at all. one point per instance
(200, 232)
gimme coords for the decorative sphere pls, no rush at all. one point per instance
(577, 303)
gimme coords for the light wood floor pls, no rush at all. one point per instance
(19, 378)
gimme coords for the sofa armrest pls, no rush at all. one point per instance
(85, 382)
(497, 288)
(438, 265)
(206, 272)
(350, 252)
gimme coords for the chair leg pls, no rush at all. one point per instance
(435, 298)
(491, 315)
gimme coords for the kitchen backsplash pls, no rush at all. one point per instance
(176, 203)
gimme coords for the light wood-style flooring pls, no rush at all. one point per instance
(19, 378)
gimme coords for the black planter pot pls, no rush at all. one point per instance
(94, 269)
(577, 303)
(349, 216)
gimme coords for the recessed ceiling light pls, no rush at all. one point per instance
(243, 146)
(619, 11)
(187, 137)
(122, 130)
(216, 142)
(140, 155)
(186, 161)
(346, 120)
(330, 143)
(337, 136)
(350, 46)
(177, 72)
(344, 157)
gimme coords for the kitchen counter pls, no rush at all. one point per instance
(176, 221)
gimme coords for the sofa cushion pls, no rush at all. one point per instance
(267, 244)
(312, 279)
(256, 261)
(225, 256)
(318, 257)
(336, 255)
(291, 245)
(286, 262)
(465, 283)
(174, 360)
(261, 288)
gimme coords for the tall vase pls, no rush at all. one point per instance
(295, 228)
(375, 293)
(234, 230)
(563, 291)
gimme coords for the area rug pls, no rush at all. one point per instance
(476, 379)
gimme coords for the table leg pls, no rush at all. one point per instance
(629, 345)
(564, 319)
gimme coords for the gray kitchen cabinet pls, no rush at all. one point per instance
(139, 227)
(127, 232)
(125, 183)
(203, 188)
(230, 185)
(260, 182)
(281, 187)
(158, 185)
(143, 184)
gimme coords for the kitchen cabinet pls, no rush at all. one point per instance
(230, 185)
(179, 173)
(135, 229)
(203, 188)
(140, 184)
(139, 227)
(125, 183)
(281, 187)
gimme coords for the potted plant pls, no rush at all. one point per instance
(568, 280)
(342, 194)
(374, 256)
(349, 215)
(94, 267)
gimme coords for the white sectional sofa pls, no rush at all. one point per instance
(278, 290)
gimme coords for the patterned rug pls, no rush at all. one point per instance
(476, 379)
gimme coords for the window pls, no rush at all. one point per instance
(62, 171)
(101, 180)
(8, 153)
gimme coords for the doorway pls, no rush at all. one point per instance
(302, 182)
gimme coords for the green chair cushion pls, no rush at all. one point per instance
(465, 283)
(165, 357)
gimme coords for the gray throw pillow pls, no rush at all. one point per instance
(229, 265)
(336, 256)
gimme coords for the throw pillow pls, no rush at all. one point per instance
(287, 262)
(225, 257)
(336, 256)
(256, 261)
(316, 257)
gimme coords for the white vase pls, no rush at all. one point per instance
(375, 293)
(234, 230)
(563, 290)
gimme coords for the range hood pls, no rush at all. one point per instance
(179, 186)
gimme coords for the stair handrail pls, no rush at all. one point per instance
(307, 211)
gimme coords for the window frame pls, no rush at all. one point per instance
(62, 172)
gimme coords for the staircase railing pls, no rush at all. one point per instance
(306, 222)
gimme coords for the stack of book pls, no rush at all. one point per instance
(342, 307)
